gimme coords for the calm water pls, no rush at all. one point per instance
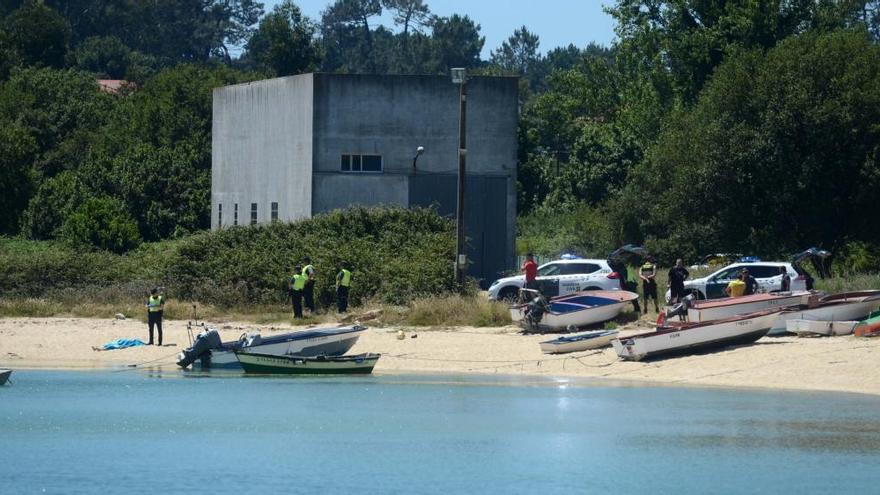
(162, 432)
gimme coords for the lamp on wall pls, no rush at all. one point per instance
(419, 151)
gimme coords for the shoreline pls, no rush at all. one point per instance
(831, 364)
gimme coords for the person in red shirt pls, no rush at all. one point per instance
(530, 270)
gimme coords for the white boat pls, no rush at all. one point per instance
(846, 306)
(690, 338)
(572, 311)
(812, 328)
(716, 309)
(579, 342)
(211, 353)
(4, 376)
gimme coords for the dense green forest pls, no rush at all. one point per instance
(741, 125)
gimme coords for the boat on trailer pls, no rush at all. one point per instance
(579, 342)
(303, 365)
(846, 306)
(4, 376)
(693, 337)
(575, 310)
(211, 353)
(716, 309)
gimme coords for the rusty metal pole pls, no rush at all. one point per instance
(460, 256)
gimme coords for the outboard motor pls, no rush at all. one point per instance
(201, 349)
(535, 310)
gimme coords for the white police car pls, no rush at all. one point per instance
(766, 273)
(561, 277)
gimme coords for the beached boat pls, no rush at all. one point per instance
(690, 338)
(4, 376)
(301, 365)
(846, 306)
(210, 352)
(579, 342)
(814, 328)
(869, 327)
(575, 310)
(716, 309)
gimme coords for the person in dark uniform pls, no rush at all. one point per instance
(343, 283)
(751, 283)
(786, 280)
(647, 272)
(677, 275)
(309, 290)
(297, 284)
(155, 306)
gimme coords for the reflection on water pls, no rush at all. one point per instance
(155, 431)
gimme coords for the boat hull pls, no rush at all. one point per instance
(300, 365)
(695, 338)
(4, 376)
(810, 328)
(826, 312)
(304, 343)
(579, 342)
(725, 308)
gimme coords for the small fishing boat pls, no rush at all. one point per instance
(4, 376)
(846, 306)
(716, 309)
(211, 353)
(571, 311)
(302, 365)
(690, 338)
(814, 328)
(579, 342)
(869, 327)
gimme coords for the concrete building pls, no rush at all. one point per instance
(288, 148)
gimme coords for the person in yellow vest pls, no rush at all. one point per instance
(309, 290)
(647, 272)
(343, 283)
(155, 305)
(297, 284)
(736, 287)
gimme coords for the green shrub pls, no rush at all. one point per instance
(103, 223)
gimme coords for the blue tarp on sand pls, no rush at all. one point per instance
(122, 344)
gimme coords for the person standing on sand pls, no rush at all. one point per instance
(751, 283)
(297, 284)
(343, 283)
(736, 287)
(530, 270)
(786, 280)
(677, 275)
(649, 285)
(309, 290)
(155, 306)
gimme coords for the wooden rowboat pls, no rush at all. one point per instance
(579, 342)
(302, 365)
(813, 328)
(573, 310)
(690, 338)
(716, 309)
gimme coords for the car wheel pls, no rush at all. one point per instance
(508, 294)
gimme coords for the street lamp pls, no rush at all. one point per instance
(419, 151)
(459, 76)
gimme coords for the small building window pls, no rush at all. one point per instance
(274, 212)
(361, 163)
(235, 215)
(219, 215)
(253, 213)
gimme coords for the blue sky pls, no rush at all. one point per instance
(556, 22)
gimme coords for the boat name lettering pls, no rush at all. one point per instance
(674, 335)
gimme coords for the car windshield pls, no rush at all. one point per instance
(728, 274)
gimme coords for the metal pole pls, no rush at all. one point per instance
(462, 153)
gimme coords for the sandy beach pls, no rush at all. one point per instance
(843, 364)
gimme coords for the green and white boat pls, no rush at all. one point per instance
(303, 365)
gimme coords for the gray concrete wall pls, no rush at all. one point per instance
(391, 116)
(262, 149)
(336, 191)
